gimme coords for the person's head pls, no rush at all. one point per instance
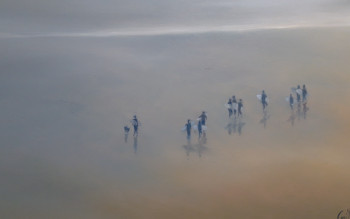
(203, 112)
(263, 91)
(134, 116)
(303, 85)
(188, 121)
(298, 86)
(240, 100)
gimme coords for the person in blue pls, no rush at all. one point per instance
(234, 105)
(298, 95)
(199, 126)
(264, 99)
(291, 101)
(240, 106)
(135, 123)
(229, 109)
(188, 128)
(304, 93)
(203, 118)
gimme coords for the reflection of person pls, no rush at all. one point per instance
(305, 109)
(188, 128)
(126, 133)
(264, 99)
(240, 106)
(291, 101)
(304, 92)
(199, 126)
(135, 123)
(203, 118)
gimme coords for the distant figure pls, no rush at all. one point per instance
(188, 128)
(199, 126)
(298, 94)
(264, 99)
(229, 109)
(126, 133)
(203, 118)
(135, 144)
(135, 123)
(304, 93)
(291, 101)
(240, 106)
(234, 105)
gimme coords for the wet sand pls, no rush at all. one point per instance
(64, 102)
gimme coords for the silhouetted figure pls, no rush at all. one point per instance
(240, 106)
(203, 118)
(188, 128)
(298, 92)
(304, 93)
(135, 123)
(126, 133)
(291, 101)
(135, 144)
(240, 126)
(234, 105)
(230, 112)
(264, 99)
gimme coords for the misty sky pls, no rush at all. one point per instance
(148, 17)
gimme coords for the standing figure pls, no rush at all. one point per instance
(229, 109)
(135, 123)
(291, 101)
(304, 93)
(234, 105)
(264, 99)
(298, 91)
(203, 118)
(188, 128)
(240, 106)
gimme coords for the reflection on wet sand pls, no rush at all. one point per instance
(135, 144)
(198, 148)
(234, 126)
(265, 117)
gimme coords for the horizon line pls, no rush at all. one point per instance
(166, 31)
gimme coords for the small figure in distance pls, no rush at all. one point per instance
(264, 99)
(304, 93)
(291, 101)
(240, 106)
(297, 91)
(234, 105)
(126, 133)
(188, 128)
(229, 109)
(203, 118)
(135, 123)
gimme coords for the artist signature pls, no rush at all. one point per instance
(344, 214)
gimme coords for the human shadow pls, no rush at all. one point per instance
(198, 148)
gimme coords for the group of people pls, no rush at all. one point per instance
(200, 127)
(234, 107)
(300, 93)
